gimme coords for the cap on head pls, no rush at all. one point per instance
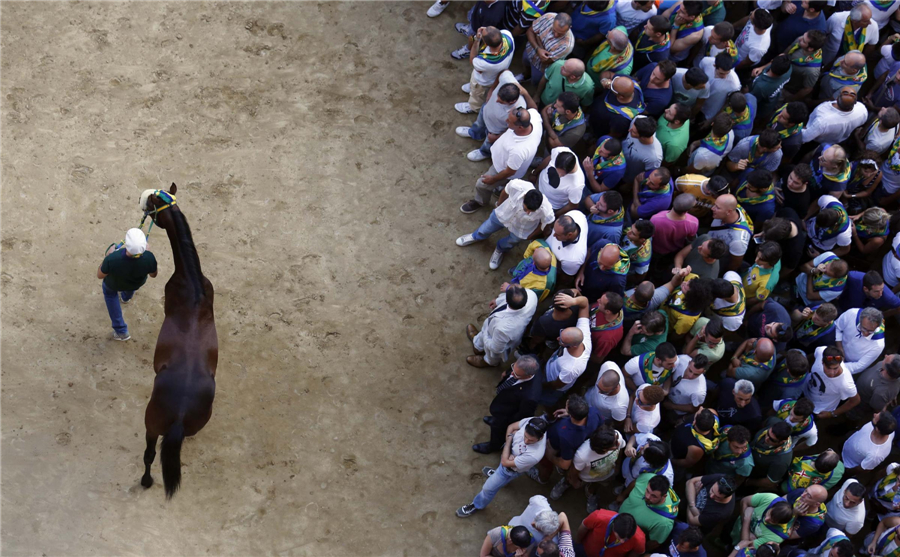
(135, 241)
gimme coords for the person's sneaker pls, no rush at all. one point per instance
(466, 88)
(124, 301)
(520, 77)
(463, 131)
(437, 8)
(466, 511)
(614, 506)
(121, 336)
(464, 28)
(461, 53)
(470, 207)
(535, 475)
(592, 503)
(496, 259)
(476, 155)
(488, 471)
(465, 240)
(561, 487)
(463, 108)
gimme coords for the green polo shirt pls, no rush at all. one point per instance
(731, 467)
(674, 142)
(557, 84)
(655, 526)
(714, 353)
(760, 503)
(641, 343)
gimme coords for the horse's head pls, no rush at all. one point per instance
(155, 201)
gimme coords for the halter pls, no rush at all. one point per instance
(162, 194)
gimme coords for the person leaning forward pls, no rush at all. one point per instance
(124, 270)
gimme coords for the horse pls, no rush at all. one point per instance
(187, 350)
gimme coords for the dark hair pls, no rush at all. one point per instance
(804, 407)
(895, 51)
(659, 483)
(886, 423)
(767, 550)
(777, 229)
(780, 65)
(508, 92)
(760, 178)
(737, 102)
(701, 361)
(645, 127)
(827, 218)
(798, 113)
(700, 295)
(578, 407)
(533, 200)
(660, 24)
(781, 430)
(893, 368)
(856, 489)
(782, 512)
(769, 138)
(614, 301)
(718, 184)
(724, 61)
(797, 364)
(722, 288)
(832, 351)
(656, 453)
(520, 536)
(693, 7)
(724, 29)
(566, 161)
(492, 37)
(717, 248)
(613, 145)
(664, 172)
(695, 76)
(667, 67)
(705, 420)
(691, 536)
(783, 333)
(682, 112)
(624, 526)
(537, 427)
(644, 228)
(738, 434)
(666, 351)
(762, 19)
(516, 297)
(643, 292)
(827, 461)
(570, 101)
(770, 252)
(604, 439)
(722, 123)
(613, 200)
(653, 323)
(844, 548)
(549, 548)
(567, 292)
(817, 39)
(817, 5)
(715, 327)
(726, 483)
(872, 278)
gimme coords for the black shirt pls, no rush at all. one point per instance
(485, 15)
(124, 273)
(550, 328)
(682, 439)
(799, 202)
(711, 512)
(792, 249)
(749, 416)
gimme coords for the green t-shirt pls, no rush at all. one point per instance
(760, 503)
(755, 374)
(733, 467)
(674, 142)
(655, 526)
(641, 343)
(557, 84)
(124, 273)
(714, 353)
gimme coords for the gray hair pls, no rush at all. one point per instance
(856, 13)
(744, 387)
(528, 364)
(563, 19)
(617, 39)
(546, 522)
(872, 314)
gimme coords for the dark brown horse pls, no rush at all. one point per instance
(187, 349)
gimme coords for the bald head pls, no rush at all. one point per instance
(573, 67)
(571, 337)
(542, 258)
(609, 379)
(728, 201)
(609, 256)
(817, 493)
(765, 349)
(623, 87)
(617, 40)
(853, 61)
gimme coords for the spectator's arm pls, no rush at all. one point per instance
(487, 547)
(679, 257)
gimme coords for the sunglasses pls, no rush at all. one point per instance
(833, 359)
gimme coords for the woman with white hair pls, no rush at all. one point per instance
(539, 518)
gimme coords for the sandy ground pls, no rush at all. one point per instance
(314, 151)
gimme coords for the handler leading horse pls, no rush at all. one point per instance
(187, 349)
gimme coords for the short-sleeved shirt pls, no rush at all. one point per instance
(725, 463)
(517, 151)
(558, 84)
(825, 392)
(654, 524)
(683, 95)
(686, 391)
(876, 392)
(655, 100)
(674, 141)
(494, 113)
(844, 238)
(125, 273)
(653, 202)
(595, 540)
(773, 466)
(676, 531)
(670, 236)
(524, 455)
(694, 184)
(853, 296)
(611, 407)
(642, 343)
(511, 213)
(760, 504)
(593, 466)
(711, 512)
(569, 187)
(714, 353)
(557, 47)
(566, 437)
(564, 366)
(760, 282)
(698, 265)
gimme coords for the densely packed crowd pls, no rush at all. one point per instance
(705, 192)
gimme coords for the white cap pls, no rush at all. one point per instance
(135, 241)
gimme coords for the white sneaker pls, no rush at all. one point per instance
(466, 88)
(461, 53)
(464, 28)
(463, 108)
(476, 156)
(520, 77)
(437, 8)
(496, 259)
(463, 131)
(465, 240)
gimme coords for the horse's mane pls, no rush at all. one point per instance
(188, 252)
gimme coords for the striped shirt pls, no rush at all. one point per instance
(557, 47)
(566, 549)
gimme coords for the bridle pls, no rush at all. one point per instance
(168, 198)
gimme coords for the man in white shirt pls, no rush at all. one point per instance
(661, 363)
(570, 360)
(503, 328)
(753, 41)
(631, 13)
(511, 156)
(829, 383)
(489, 60)
(569, 241)
(859, 334)
(561, 180)
(541, 520)
(868, 447)
(716, 39)
(707, 154)
(828, 229)
(890, 265)
(491, 122)
(688, 385)
(722, 81)
(521, 210)
(833, 122)
(730, 226)
(609, 395)
(865, 32)
(644, 416)
(847, 509)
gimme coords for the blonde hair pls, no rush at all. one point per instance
(875, 217)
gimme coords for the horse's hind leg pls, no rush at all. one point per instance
(149, 455)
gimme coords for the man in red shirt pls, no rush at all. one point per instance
(613, 534)
(606, 325)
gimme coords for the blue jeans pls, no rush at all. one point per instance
(115, 308)
(492, 485)
(491, 225)
(478, 131)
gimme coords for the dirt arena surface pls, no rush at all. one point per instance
(314, 151)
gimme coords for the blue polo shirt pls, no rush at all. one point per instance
(586, 26)
(566, 437)
(796, 25)
(677, 529)
(806, 526)
(656, 100)
(652, 203)
(596, 281)
(854, 297)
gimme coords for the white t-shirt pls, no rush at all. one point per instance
(570, 186)
(495, 113)
(526, 456)
(800, 282)
(683, 95)
(566, 367)
(485, 73)
(753, 46)
(811, 437)
(571, 257)
(859, 352)
(827, 124)
(880, 141)
(630, 18)
(596, 467)
(517, 151)
(511, 213)
(686, 391)
(879, 17)
(730, 322)
(838, 516)
(706, 161)
(860, 450)
(845, 238)
(835, 30)
(631, 468)
(718, 88)
(613, 407)
(890, 266)
(826, 393)
(645, 421)
(536, 504)
(887, 58)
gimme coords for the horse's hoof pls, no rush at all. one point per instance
(147, 480)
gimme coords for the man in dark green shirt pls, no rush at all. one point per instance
(125, 269)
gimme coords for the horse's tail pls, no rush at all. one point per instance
(170, 457)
